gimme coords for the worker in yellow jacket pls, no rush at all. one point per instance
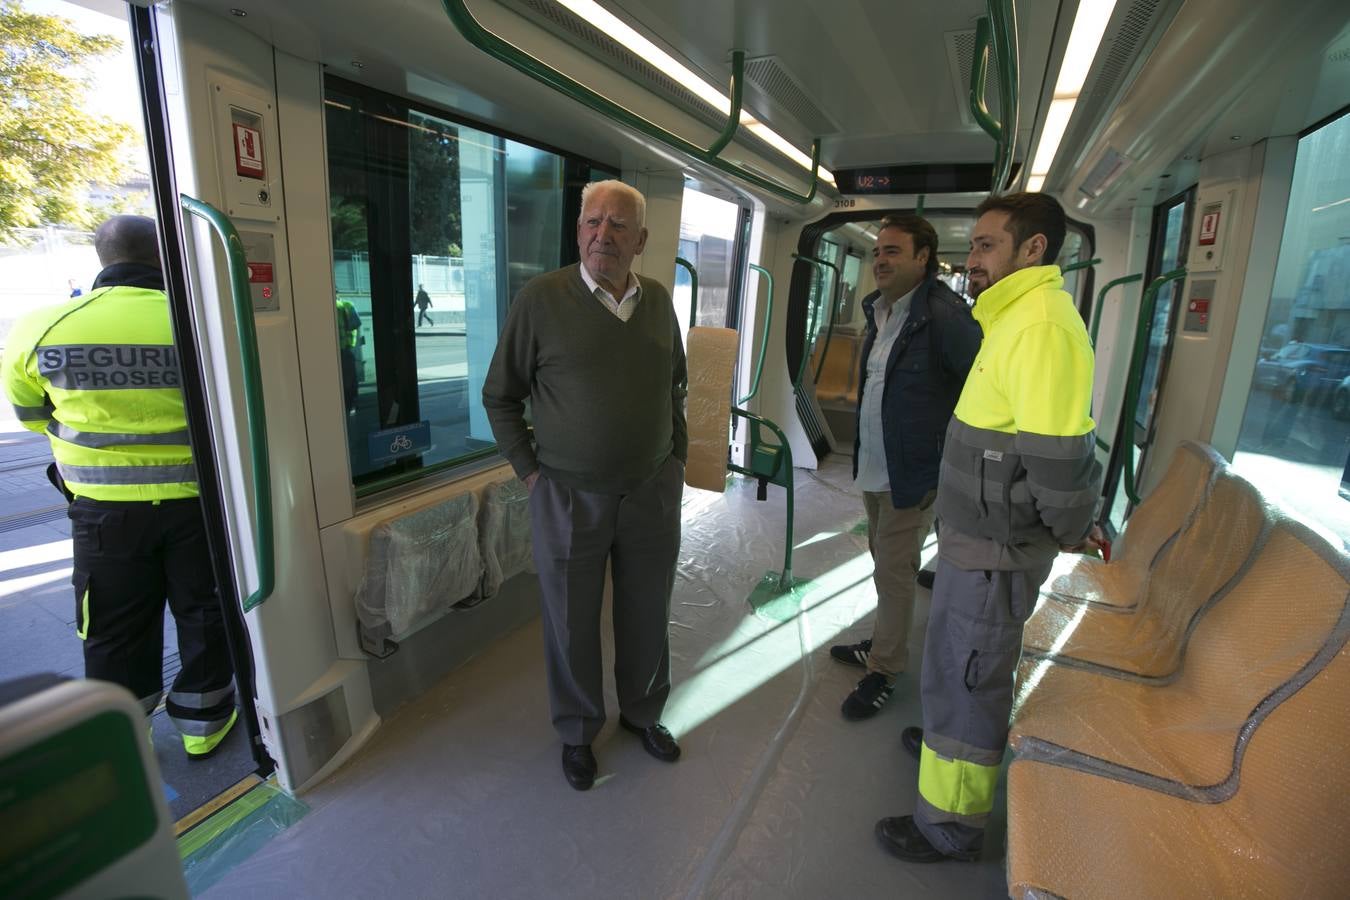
(1019, 482)
(99, 375)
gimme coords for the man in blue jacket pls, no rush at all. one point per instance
(919, 345)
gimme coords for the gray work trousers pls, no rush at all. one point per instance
(971, 651)
(576, 535)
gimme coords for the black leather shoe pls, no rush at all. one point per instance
(579, 766)
(912, 740)
(904, 839)
(656, 740)
(925, 578)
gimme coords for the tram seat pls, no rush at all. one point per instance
(1196, 571)
(838, 383)
(1224, 779)
(1165, 513)
(503, 537)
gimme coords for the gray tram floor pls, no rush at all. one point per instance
(460, 792)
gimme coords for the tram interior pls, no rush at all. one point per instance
(399, 740)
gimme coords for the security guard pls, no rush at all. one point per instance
(100, 376)
(1019, 482)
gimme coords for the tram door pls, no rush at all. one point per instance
(1168, 251)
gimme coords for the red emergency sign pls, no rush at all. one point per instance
(248, 151)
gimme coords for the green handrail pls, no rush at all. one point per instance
(763, 344)
(253, 394)
(1101, 299)
(693, 289)
(1135, 381)
(829, 329)
(540, 71)
(1003, 14)
(918, 207)
(737, 93)
(785, 579)
(979, 80)
(1081, 264)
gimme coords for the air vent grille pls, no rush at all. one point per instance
(1123, 50)
(777, 84)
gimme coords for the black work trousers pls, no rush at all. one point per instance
(129, 558)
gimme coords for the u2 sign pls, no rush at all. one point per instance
(390, 444)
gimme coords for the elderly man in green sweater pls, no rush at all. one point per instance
(597, 352)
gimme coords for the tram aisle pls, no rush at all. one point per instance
(461, 793)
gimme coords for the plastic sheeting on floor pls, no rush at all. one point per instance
(776, 795)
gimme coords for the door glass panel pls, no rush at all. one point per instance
(1172, 243)
(708, 242)
(1295, 438)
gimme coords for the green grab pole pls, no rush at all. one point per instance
(764, 343)
(918, 207)
(737, 94)
(1004, 17)
(1101, 300)
(1081, 264)
(540, 71)
(1135, 382)
(253, 393)
(693, 289)
(785, 580)
(979, 80)
(821, 265)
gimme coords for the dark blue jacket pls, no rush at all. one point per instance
(924, 376)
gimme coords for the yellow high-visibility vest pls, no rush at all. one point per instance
(99, 375)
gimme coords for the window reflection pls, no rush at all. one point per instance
(435, 225)
(1295, 437)
(708, 241)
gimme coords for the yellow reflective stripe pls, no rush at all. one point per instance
(956, 785)
(83, 630)
(196, 746)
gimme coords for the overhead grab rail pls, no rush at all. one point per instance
(737, 94)
(540, 71)
(834, 307)
(253, 394)
(764, 344)
(998, 29)
(1135, 382)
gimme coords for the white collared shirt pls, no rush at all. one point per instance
(622, 308)
(873, 474)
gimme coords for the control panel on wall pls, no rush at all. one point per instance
(250, 184)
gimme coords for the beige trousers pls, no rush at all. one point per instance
(895, 537)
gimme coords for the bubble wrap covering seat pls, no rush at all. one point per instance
(1225, 778)
(1154, 525)
(1197, 570)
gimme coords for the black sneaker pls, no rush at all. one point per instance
(868, 697)
(925, 578)
(852, 654)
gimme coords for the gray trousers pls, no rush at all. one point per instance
(971, 651)
(576, 535)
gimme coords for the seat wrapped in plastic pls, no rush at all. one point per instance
(1204, 562)
(504, 534)
(838, 383)
(1168, 509)
(418, 564)
(1188, 724)
(1268, 821)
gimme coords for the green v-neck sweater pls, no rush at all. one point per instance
(606, 396)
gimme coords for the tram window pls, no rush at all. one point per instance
(852, 277)
(436, 224)
(1295, 438)
(708, 241)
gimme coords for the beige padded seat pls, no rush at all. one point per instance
(1282, 833)
(1185, 727)
(1195, 571)
(1162, 515)
(838, 384)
